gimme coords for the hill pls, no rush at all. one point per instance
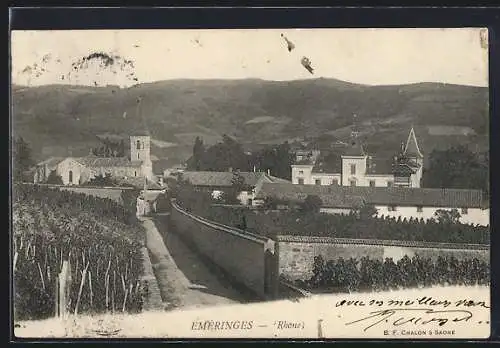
(63, 119)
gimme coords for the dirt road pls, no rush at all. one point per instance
(183, 278)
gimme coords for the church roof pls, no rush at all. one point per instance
(98, 162)
(51, 162)
(411, 148)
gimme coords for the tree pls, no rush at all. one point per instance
(196, 161)
(457, 167)
(312, 204)
(22, 160)
(447, 216)
(54, 179)
(237, 186)
(100, 180)
(367, 211)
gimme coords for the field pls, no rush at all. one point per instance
(100, 239)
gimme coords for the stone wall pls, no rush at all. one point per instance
(113, 193)
(296, 254)
(247, 258)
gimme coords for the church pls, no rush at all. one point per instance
(79, 170)
(357, 168)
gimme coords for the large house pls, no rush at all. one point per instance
(357, 168)
(219, 182)
(404, 202)
(79, 170)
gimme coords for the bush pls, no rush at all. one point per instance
(54, 179)
(366, 274)
(312, 204)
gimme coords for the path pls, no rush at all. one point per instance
(183, 278)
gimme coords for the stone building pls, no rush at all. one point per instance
(79, 170)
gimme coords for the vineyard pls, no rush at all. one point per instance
(101, 239)
(366, 274)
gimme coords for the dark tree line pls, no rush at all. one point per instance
(365, 274)
(306, 220)
(22, 159)
(110, 148)
(457, 167)
(229, 154)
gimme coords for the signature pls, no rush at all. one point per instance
(415, 316)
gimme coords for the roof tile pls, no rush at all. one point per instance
(347, 196)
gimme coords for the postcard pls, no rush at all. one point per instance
(258, 183)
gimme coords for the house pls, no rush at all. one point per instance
(357, 168)
(404, 202)
(218, 182)
(79, 170)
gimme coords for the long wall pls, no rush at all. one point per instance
(113, 193)
(296, 254)
(246, 257)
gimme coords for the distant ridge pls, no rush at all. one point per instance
(55, 119)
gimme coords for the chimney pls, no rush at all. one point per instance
(269, 172)
(254, 169)
(230, 169)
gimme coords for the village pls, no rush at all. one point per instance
(392, 185)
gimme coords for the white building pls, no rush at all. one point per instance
(79, 170)
(357, 168)
(404, 202)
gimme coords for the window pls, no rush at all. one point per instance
(419, 209)
(353, 182)
(335, 182)
(353, 169)
(389, 184)
(137, 155)
(135, 173)
(249, 201)
(70, 176)
(392, 208)
(372, 183)
(317, 181)
(138, 145)
(465, 211)
(301, 181)
(301, 172)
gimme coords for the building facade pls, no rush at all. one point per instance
(357, 168)
(397, 202)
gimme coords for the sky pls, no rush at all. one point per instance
(366, 56)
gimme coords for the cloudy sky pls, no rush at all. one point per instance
(368, 56)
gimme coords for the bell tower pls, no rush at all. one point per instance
(140, 150)
(140, 146)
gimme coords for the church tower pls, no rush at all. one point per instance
(413, 153)
(140, 150)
